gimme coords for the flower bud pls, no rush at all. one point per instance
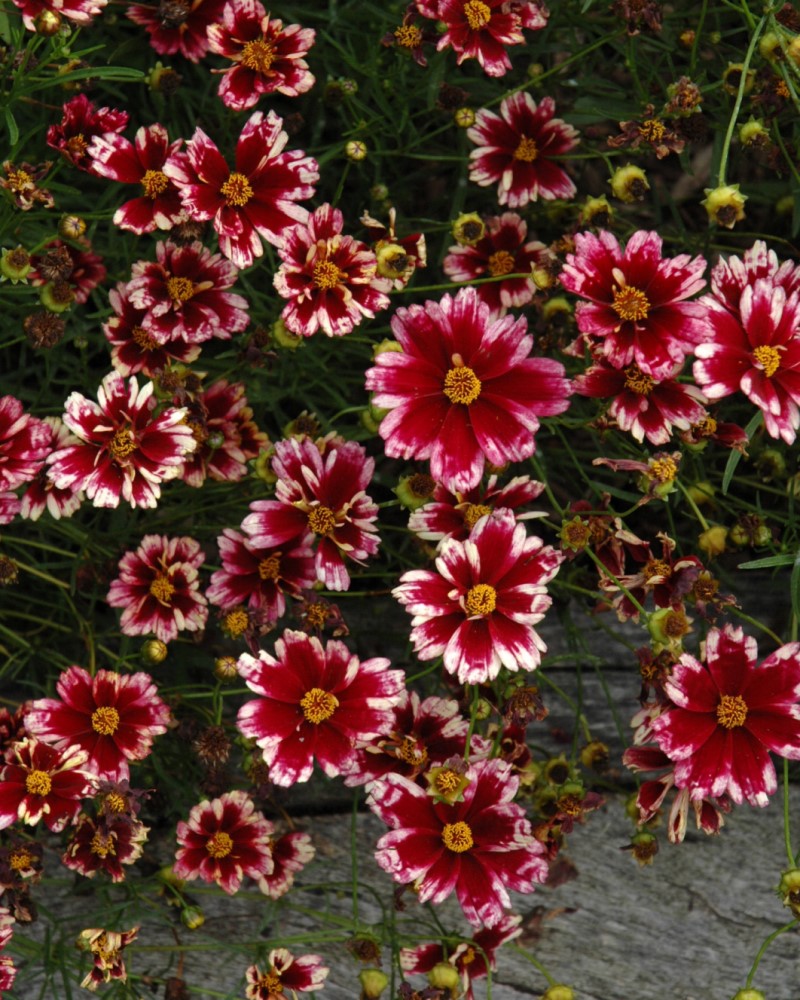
(15, 265)
(469, 229)
(57, 296)
(225, 669)
(153, 652)
(629, 184)
(754, 134)
(724, 205)
(789, 890)
(595, 756)
(769, 47)
(168, 877)
(464, 117)
(283, 338)
(355, 150)
(748, 994)
(712, 540)
(71, 227)
(373, 983)
(596, 212)
(416, 490)
(192, 917)
(771, 464)
(644, 846)
(444, 976)
(558, 992)
(47, 23)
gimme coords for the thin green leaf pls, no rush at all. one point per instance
(13, 128)
(769, 562)
(735, 456)
(794, 587)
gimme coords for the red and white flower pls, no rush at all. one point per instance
(82, 12)
(8, 970)
(302, 974)
(140, 162)
(329, 279)
(105, 845)
(267, 57)
(178, 26)
(224, 840)
(123, 452)
(478, 608)
(112, 716)
(479, 29)
(258, 198)
(321, 486)
(290, 854)
(502, 250)
(463, 391)
(133, 348)
(516, 151)
(728, 714)
(635, 309)
(40, 782)
(25, 442)
(81, 121)
(87, 271)
(478, 847)
(730, 276)
(106, 948)
(40, 493)
(185, 295)
(314, 704)
(159, 588)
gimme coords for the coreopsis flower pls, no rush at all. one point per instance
(41, 493)
(330, 279)
(227, 436)
(756, 351)
(502, 250)
(105, 845)
(21, 182)
(635, 309)
(133, 349)
(178, 26)
(290, 854)
(159, 588)
(321, 486)
(80, 11)
(186, 295)
(397, 257)
(106, 949)
(651, 131)
(478, 847)
(260, 576)
(727, 714)
(641, 405)
(8, 970)
(39, 782)
(730, 276)
(463, 390)
(478, 607)
(224, 840)
(454, 515)
(258, 198)
(123, 451)
(24, 444)
(314, 703)
(112, 716)
(83, 269)
(472, 959)
(516, 151)
(140, 162)
(10, 506)
(479, 29)
(267, 58)
(301, 974)
(81, 121)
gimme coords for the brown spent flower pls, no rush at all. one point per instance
(43, 329)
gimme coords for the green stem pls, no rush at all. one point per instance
(767, 942)
(535, 962)
(787, 837)
(690, 500)
(726, 146)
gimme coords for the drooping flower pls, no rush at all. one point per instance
(301, 974)
(463, 391)
(516, 151)
(81, 12)
(267, 58)
(502, 250)
(21, 181)
(314, 704)
(397, 257)
(158, 588)
(258, 198)
(24, 443)
(140, 162)
(478, 607)
(755, 350)
(478, 847)
(330, 279)
(40, 493)
(105, 845)
(635, 309)
(81, 122)
(106, 949)
(728, 714)
(224, 840)
(39, 782)
(290, 854)
(178, 26)
(321, 486)
(186, 295)
(112, 716)
(123, 452)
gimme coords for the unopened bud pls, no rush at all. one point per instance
(373, 983)
(444, 976)
(154, 651)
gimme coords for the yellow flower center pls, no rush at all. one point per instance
(38, 783)
(462, 385)
(236, 190)
(270, 982)
(115, 802)
(20, 859)
(258, 55)
(630, 303)
(447, 781)
(154, 182)
(122, 444)
(473, 513)
(408, 36)
(237, 622)
(481, 600)
(142, 339)
(637, 381)
(652, 130)
(318, 705)
(327, 275)
(162, 589)
(477, 14)
(663, 470)
(18, 180)
(457, 837)
(317, 615)
(102, 845)
(705, 427)
(527, 150)
(657, 567)
(501, 262)
(321, 520)
(180, 289)
(412, 753)
(270, 568)
(731, 711)
(220, 845)
(768, 359)
(105, 720)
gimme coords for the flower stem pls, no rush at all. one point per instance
(726, 146)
